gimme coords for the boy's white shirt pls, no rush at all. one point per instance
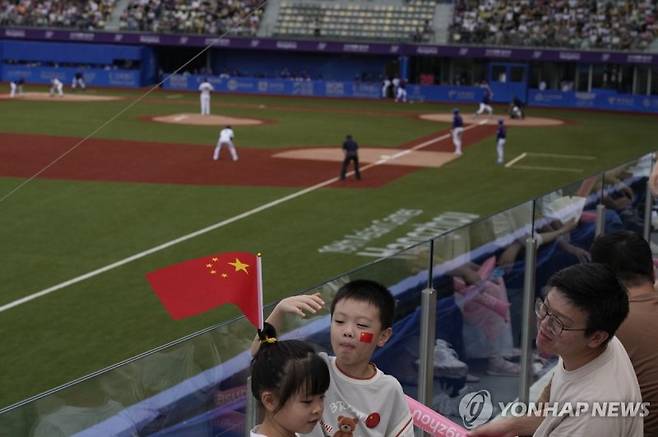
(360, 398)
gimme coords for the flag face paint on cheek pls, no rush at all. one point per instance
(366, 337)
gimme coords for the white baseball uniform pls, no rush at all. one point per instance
(56, 87)
(12, 89)
(387, 84)
(401, 95)
(205, 88)
(225, 138)
(396, 84)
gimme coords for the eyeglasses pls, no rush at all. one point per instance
(555, 325)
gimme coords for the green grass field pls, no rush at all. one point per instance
(54, 230)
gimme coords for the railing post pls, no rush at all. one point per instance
(648, 206)
(527, 331)
(600, 220)
(251, 418)
(426, 346)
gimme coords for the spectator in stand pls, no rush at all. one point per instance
(84, 15)
(579, 24)
(241, 17)
(630, 257)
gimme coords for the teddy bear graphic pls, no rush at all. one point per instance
(346, 426)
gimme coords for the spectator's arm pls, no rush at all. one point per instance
(299, 305)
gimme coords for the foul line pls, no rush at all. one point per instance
(557, 155)
(517, 159)
(214, 226)
(532, 167)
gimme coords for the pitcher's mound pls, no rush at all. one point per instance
(64, 98)
(493, 119)
(207, 120)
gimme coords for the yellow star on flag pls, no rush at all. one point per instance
(239, 266)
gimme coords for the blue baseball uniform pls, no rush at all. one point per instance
(457, 130)
(485, 102)
(501, 137)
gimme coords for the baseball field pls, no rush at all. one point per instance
(97, 189)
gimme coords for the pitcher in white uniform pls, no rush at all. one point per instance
(205, 89)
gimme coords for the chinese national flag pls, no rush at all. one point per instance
(198, 285)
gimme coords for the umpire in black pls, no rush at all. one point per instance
(351, 154)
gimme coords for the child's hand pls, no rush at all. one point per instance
(301, 304)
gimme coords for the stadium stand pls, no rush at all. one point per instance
(411, 21)
(198, 16)
(81, 14)
(581, 24)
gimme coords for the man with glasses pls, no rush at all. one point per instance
(577, 321)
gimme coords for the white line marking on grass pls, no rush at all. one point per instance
(557, 155)
(515, 160)
(532, 167)
(180, 117)
(218, 225)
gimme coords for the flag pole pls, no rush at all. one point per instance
(259, 267)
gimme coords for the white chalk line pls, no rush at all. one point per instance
(515, 160)
(210, 228)
(532, 167)
(561, 156)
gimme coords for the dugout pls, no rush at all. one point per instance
(101, 64)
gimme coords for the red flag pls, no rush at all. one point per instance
(198, 285)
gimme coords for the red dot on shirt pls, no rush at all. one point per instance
(372, 420)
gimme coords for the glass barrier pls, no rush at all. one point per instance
(478, 275)
(624, 195)
(565, 227)
(198, 384)
(199, 381)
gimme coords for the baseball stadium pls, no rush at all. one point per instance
(494, 141)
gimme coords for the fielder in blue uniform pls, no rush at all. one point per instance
(457, 130)
(501, 137)
(485, 103)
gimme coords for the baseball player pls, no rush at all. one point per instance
(205, 88)
(351, 150)
(78, 81)
(501, 137)
(385, 87)
(16, 87)
(56, 86)
(401, 96)
(457, 130)
(225, 139)
(517, 109)
(396, 85)
(485, 103)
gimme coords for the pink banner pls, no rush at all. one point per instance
(432, 422)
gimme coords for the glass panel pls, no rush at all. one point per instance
(478, 275)
(565, 225)
(624, 195)
(196, 386)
